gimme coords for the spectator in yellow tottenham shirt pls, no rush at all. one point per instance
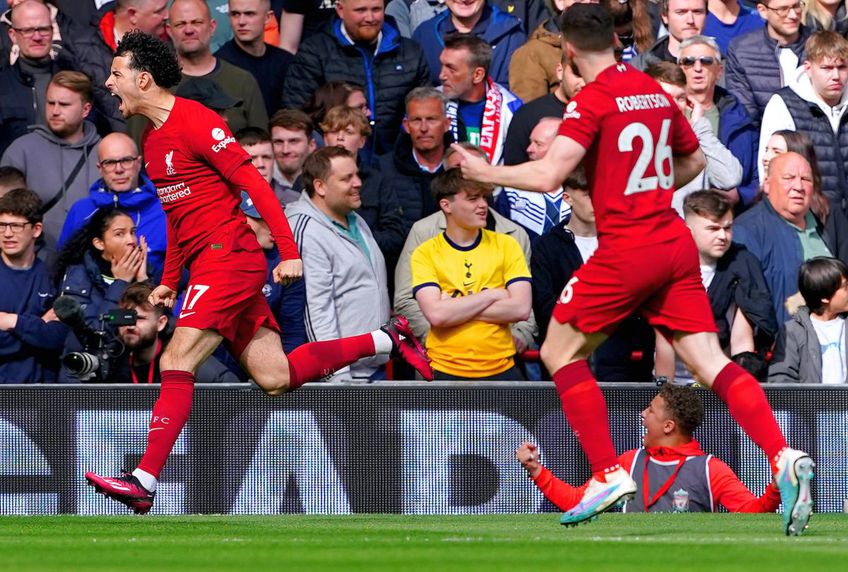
(471, 284)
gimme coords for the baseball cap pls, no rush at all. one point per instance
(247, 206)
(208, 92)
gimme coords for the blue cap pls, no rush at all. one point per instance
(247, 206)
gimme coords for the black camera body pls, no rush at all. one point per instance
(101, 347)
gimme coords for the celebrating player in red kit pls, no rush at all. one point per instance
(199, 171)
(636, 147)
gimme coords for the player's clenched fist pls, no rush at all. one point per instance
(473, 166)
(288, 271)
(528, 455)
(162, 296)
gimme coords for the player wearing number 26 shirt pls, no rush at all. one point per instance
(646, 257)
(636, 147)
(199, 171)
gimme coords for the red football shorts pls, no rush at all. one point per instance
(660, 281)
(225, 294)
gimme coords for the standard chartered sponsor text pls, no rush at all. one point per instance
(172, 193)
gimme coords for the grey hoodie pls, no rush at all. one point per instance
(346, 292)
(47, 161)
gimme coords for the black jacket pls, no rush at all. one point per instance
(396, 68)
(94, 58)
(628, 354)
(653, 55)
(739, 279)
(411, 184)
(17, 100)
(383, 214)
(753, 71)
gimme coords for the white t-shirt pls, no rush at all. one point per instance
(707, 274)
(587, 245)
(831, 336)
(788, 65)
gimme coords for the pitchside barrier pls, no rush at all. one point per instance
(394, 447)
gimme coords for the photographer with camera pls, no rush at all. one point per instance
(145, 341)
(28, 343)
(97, 264)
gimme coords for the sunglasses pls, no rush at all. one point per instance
(689, 61)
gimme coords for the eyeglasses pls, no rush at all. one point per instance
(30, 32)
(784, 10)
(125, 162)
(689, 61)
(15, 227)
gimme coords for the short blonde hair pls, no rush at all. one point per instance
(75, 81)
(823, 45)
(341, 116)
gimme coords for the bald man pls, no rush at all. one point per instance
(784, 230)
(536, 212)
(122, 184)
(23, 82)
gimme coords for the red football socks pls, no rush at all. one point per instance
(169, 416)
(749, 407)
(586, 411)
(316, 360)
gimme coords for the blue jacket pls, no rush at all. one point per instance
(287, 304)
(29, 352)
(777, 246)
(500, 30)
(753, 70)
(142, 204)
(391, 73)
(739, 133)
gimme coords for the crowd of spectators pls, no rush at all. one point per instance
(348, 109)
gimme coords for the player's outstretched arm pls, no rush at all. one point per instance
(173, 259)
(732, 494)
(248, 178)
(540, 176)
(560, 493)
(687, 167)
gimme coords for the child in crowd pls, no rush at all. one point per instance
(811, 348)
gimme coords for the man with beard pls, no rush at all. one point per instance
(145, 341)
(360, 47)
(59, 160)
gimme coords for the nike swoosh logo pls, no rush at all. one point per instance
(146, 164)
(43, 294)
(149, 431)
(186, 314)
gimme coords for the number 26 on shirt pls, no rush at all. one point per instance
(661, 155)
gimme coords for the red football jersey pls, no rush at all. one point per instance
(631, 130)
(189, 159)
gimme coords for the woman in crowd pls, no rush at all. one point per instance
(96, 266)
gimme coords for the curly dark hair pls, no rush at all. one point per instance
(80, 242)
(684, 406)
(149, 53)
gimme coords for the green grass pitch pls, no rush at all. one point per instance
(652, 542)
